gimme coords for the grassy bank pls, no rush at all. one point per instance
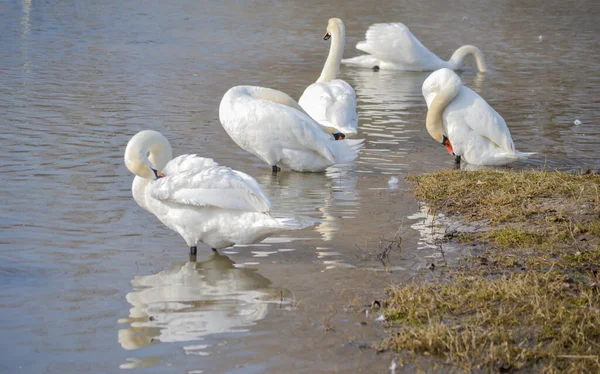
(528, 294)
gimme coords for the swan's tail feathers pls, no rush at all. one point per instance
(366, 61)
(345, 151)
(506, 158)
(524, 155)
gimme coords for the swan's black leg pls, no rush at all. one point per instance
(457, 160)
(339, 136)
(376, 68)
(193, 251)
(275, 169)
(215, 250)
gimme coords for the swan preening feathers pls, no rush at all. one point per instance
(272, 126)
(393, 46)
(464, 122)
(197, 198)
(218, 206)
(330, 101)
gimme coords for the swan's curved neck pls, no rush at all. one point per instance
(434, 121)
(273, 96)
(336, 51)
(459, 55)
(145, 148)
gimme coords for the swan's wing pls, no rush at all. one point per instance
(331, 104)
(217, 186)
(268, 126)
(187, 162)
(475, 112)
(394, 42)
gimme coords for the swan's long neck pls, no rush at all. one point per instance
(459, 55)
(336, 51)
(434, 121)
(272, 95)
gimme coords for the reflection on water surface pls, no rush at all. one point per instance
(193, 300)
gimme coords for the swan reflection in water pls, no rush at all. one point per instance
(326, 197)
(430, 227)
(385, 100)
(386, 93)
(193, 300)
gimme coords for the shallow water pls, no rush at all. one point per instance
(89, 282)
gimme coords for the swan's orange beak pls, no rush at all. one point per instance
(448, 146)
(326, 36)
(158, 174)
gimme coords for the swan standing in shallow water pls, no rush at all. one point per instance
(197, 198)
(330, 101)
(272, 126)
(392, 46)
(465, 124)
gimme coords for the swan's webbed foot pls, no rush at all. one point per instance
(276, 169)
(376, 68)
(339, 136)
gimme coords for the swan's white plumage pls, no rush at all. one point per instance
(272, 126)
(215, 186)
(333, 105)
(395, 43)
(476, 131)
(199, 199)
(332, 102)
(393, 46)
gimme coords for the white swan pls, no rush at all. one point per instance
(197, 198)
(272, 126)
(392, 46)
(330, 101)
(462, 121)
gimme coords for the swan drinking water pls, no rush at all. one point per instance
(392, 46)
(330, 101)
(272, 126)
(464, 122)
(197, 198)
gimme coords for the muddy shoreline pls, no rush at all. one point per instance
(526, 296)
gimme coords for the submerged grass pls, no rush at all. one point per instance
(528, 296)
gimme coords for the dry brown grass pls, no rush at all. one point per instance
(528, 297)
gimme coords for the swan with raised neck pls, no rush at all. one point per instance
(337, 31)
